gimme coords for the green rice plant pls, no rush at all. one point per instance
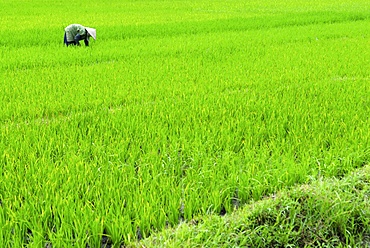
(177, 110)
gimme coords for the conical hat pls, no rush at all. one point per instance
(92, 32)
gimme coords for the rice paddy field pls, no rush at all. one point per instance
(178, 109)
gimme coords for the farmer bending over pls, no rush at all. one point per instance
(76, 32)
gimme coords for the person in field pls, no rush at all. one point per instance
(76, 32)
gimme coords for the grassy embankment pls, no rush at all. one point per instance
(323, 213)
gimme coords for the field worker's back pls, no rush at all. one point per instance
(74, 29)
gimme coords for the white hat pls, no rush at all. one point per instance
(92, 32)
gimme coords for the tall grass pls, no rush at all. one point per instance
(177, 109)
